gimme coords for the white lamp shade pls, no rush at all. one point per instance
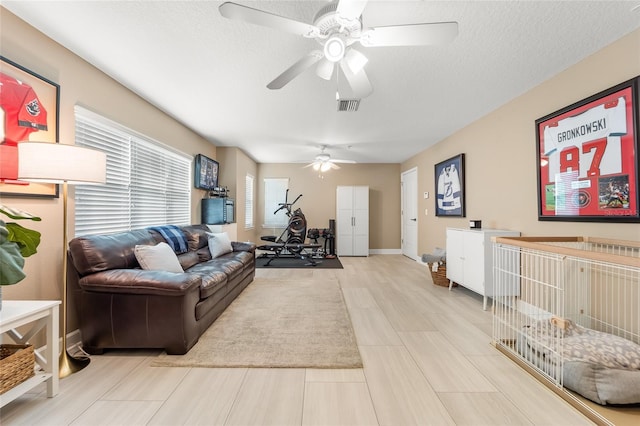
(58, 163)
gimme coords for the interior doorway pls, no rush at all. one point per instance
(409, 213)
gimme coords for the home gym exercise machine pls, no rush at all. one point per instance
(290, 243)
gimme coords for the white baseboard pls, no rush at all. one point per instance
(385, 251)
(73, 339)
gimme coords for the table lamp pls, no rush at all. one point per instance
(47, 162)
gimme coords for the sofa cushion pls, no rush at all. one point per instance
(219, 244)
(244, 257)
(228, 266)
(160, 257)
(213, 280)
(196, 236)
(188, 259)
(96, 253)
(139, 281)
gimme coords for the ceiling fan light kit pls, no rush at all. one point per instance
(336, 27)
(323, 162)
(334, 49)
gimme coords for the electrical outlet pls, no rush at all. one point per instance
(426, 195)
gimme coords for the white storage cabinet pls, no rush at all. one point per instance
(352, 220)
(470, 259)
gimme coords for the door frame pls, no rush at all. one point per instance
(414, 173)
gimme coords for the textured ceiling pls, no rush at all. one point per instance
(210, 73)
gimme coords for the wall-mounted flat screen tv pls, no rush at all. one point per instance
(206, 173)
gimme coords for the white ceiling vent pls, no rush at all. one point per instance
(348, 104)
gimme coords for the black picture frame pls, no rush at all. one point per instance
(206, 173)
(42, 123)
(588, 158)
(449, 187)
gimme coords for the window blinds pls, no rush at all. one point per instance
(275, 190)
(147, 183)
(248, 205)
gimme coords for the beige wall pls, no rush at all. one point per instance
(80, 84)
(235, 165)
(500, 154)
(318, 202)
(499, 148)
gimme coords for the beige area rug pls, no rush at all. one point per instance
(276, 323)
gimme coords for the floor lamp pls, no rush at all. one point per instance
(66, 165)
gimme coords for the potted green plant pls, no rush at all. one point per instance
(16, 243)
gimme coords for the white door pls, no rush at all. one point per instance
(344, 221)
(409, 195)
(361, 221)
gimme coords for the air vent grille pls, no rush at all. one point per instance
(348, 104)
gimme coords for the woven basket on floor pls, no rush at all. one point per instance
(440, 276)
(16, 365)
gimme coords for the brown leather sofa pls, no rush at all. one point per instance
(119, 305)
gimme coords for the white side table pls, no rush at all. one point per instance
(39, 314)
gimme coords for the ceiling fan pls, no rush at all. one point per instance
(337, 27)
(323, 162)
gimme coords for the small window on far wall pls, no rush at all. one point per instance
(248, 206)
(275, 192)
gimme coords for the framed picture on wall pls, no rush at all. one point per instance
(29, 109)
(587, 158)
(206, 173)
(449, 180)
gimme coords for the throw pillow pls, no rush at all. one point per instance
(160, 257)
(219, 244)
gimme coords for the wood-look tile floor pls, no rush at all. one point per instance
(427, 361)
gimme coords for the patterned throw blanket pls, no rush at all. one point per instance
(174, 237)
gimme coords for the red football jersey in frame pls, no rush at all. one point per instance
(588, 162)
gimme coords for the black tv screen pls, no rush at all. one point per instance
(206, 173)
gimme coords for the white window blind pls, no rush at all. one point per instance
(147, 183)
(275, 190)
(248, 206)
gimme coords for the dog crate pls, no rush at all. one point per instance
(575, 322)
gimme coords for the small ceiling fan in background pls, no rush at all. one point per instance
(323, 161)
(337, 27)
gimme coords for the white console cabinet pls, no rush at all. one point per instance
(470, 259)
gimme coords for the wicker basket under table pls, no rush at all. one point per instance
(439, 277)
(16, 365)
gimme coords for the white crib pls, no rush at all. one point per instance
(576, 320)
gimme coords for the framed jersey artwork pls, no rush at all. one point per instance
(449, 179)
(587, 158)
(29, 105)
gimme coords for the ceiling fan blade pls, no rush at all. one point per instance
(260, 17)
(333, 165)
(355, 60)
(410, 35)
(351, 9)
(294, 70)
(325, 69)
(359, 82)
(344, 161)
